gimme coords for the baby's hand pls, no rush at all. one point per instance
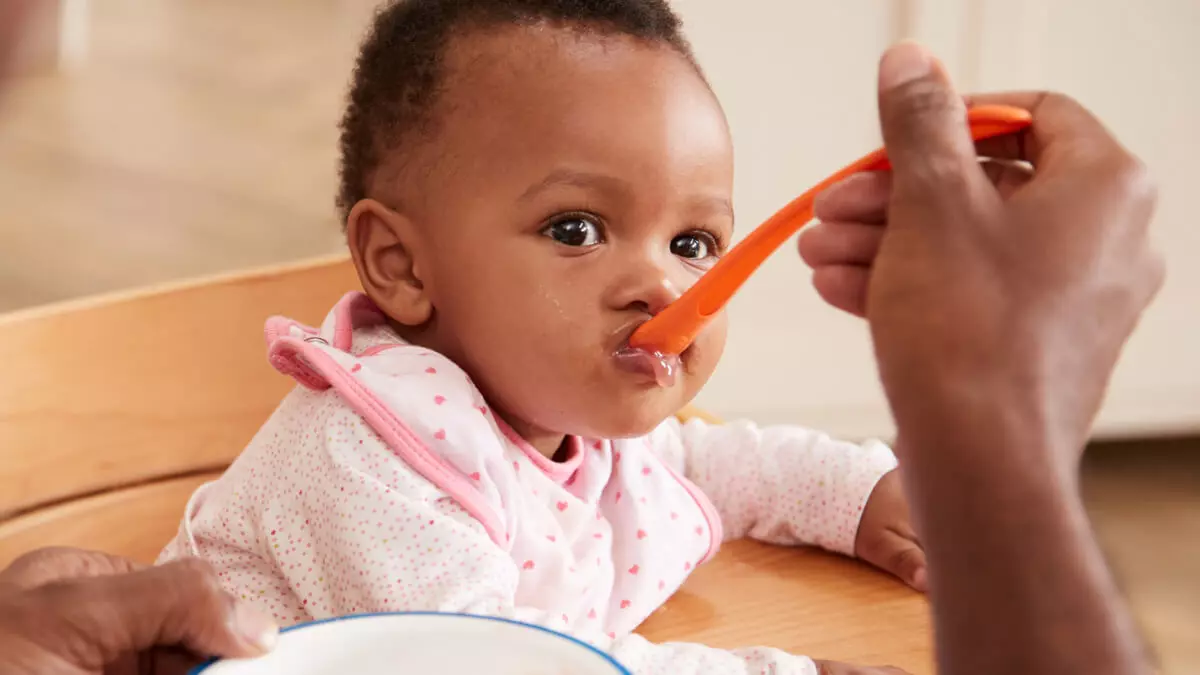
(839, 668)
(885, 535)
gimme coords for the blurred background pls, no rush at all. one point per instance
(145, 141)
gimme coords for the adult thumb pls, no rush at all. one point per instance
(924, 123)
(179, 604)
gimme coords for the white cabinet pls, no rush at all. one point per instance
(1137, 65)
(798, 83)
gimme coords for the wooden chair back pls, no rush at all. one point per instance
(113, 409)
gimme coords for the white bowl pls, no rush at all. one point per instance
(422, 644)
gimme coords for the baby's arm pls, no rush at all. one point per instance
(779, 484)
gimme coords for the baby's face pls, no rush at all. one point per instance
(578, 186)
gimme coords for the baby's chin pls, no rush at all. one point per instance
(617, 421)
(629, 414)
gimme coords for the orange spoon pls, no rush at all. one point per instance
(672, 330)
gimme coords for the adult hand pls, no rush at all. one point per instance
(48, 565)
(841, 247)
(997, 310)
(995, 281)
(12, 18)
(68, 611)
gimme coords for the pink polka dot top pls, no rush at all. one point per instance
(385, 483)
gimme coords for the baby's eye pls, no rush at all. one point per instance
(694, 246)
(577, 231)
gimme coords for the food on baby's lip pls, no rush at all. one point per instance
(652, 364)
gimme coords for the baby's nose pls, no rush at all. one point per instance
(652, 293)
(661, 295)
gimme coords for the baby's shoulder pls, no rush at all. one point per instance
(342, 428)
(382, 378)
(392, 407)
(399, 369)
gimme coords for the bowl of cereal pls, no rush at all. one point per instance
(419, 643)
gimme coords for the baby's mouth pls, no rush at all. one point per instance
(663, 368)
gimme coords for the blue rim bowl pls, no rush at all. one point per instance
(618, 669)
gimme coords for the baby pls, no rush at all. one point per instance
(524, 183)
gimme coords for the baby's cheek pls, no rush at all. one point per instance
(701, 360)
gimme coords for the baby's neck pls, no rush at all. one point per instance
(547, 443)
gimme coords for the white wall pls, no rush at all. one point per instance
(797, 80)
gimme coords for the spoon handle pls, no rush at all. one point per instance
(672, 330)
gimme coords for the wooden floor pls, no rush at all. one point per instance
(199, 136)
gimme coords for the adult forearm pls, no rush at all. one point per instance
(1017, 580)
(999, 297)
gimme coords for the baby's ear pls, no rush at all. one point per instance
(384, 245)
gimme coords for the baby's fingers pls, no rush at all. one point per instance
(903, 557)
(861, 198)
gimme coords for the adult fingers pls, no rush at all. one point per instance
(1059, 122)
(863, 198)
(924, 130)
(840, 244)
(844, 287)
(1007, 176)
(177, 604)
(51, 564)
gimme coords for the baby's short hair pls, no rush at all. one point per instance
(399, 70)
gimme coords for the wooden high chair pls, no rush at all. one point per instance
(113, 410)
